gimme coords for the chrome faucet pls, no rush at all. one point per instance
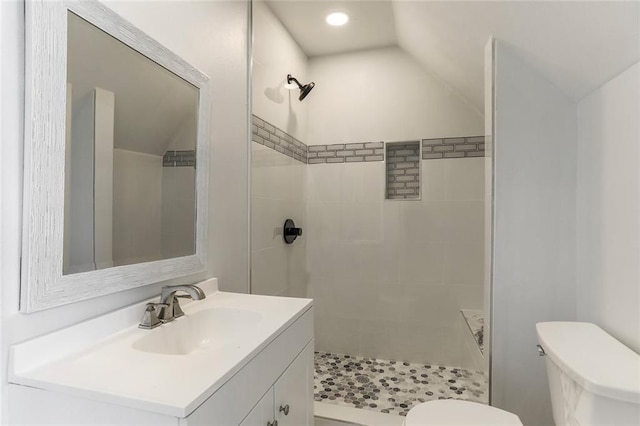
(169, 301)
(150, 319)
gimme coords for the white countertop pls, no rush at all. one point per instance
(92, 360)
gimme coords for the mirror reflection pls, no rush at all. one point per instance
(131, 132)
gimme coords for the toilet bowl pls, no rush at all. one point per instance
(449, 412)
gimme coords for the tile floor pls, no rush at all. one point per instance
(390, 386)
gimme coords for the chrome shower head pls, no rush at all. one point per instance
(304, 90)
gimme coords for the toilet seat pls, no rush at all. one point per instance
(449, 412)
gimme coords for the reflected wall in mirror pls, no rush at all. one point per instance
(116, 157)
(130, 155)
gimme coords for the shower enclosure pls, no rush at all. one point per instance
(387, 185)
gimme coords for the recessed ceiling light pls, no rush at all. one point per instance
(337, 19)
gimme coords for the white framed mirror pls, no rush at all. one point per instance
(116, 157)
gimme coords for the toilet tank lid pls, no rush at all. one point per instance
(593, 358)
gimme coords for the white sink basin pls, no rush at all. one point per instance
(172, 369)
(204, 330)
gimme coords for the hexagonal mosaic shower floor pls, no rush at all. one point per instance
(390, 386)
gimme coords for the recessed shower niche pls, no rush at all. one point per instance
(403, 170)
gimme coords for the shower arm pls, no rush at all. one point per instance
(290, 78)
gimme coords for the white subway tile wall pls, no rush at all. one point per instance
(277, 193)
(389, 278)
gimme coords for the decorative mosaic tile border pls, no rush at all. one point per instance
(346, 153)
(403, 170)
(391, 386)
(472, 146)
(270, 136)
(179, 159)
(475, 321)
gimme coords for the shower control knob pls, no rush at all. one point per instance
(294, 231)
(290, 232)
(285, 409)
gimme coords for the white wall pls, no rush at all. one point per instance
(534, 229)
(382, 94)
(276, 54)
(79, 195)
(278, 193)
(103, 178)
(221, 28)
(389, 277)
(88, 194)
(137, 207)
(278, 181)
(488, 196)
(178, 211)
(221, 52)
(179, 196)
(608, 256)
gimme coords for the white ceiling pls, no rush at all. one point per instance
(371, 25)
(576, 45)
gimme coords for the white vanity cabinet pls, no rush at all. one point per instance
(240, 378)
(294, 388)
(263, 413)
(290, 401)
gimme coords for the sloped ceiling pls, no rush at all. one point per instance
(371, 25)
(577, 45)
(151, 103)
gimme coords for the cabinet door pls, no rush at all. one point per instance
(262, 413)
(294, 391)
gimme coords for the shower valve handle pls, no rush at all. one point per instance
(294, 231)
(290, 232)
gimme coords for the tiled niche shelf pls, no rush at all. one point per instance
(403, 170)
(475, 321)
(179, 159)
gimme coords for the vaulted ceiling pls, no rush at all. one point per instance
(577, 45)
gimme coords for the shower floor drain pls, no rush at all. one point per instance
(390, 386)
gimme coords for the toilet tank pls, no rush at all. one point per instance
(593, 378)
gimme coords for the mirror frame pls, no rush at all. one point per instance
(43, 285)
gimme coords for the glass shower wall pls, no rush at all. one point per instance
(278, 188)
(389, 277)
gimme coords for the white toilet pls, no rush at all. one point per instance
(593, 379)
(450, 412)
